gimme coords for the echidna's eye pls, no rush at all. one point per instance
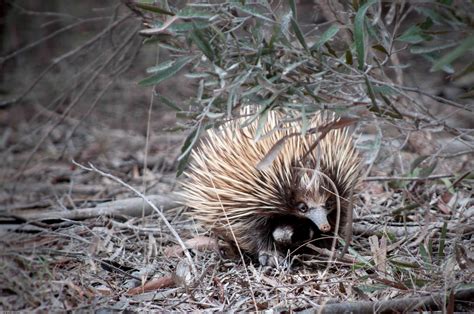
(302, 207)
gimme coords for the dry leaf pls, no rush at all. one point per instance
(199, 243)
(152, 285)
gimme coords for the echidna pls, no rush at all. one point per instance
(228, 195)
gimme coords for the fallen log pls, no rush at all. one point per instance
(134, 207)
(432, 302)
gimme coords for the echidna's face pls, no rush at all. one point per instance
(310, 202)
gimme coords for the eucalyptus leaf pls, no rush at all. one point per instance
(359, 30)
(199, 38)
(262, 121)
(422, 49)
(414, 35)
(325, 37)
(298, 33)
(160, 67)
(153, 8)
(370, 91)
(250, 9)
(168, 102)
(166, 72)
(293, 8)
(192, 12)
(442, 240)
(186, 149)
(461, 50)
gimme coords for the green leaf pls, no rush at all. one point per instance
(292, 66)
(349, 59)
(420, 49)
(167, 72)
(262, 121)
(448, 184)
(415, 282)
(433, 57)
(434, 16)
(404, 264)
(186, 27)
(359, 30)
(231, 101)
(160, 67)
(370, 91)
(152, 8)
(426, 25)
(304, 121)
(385, 90)
(325, 37)
(298, 33)
(355, 5)
(442, 240)
(360, 259)
(293, 8)
(330, 50)
(380, 48)
(166, 101)
(191, 12)
(214, 115)
(429, 170)
(395, 113)
(461, 50)
(447, 2)
(425, 256)
(251, 10)
(417, 162)
(372, 288)
(414, 35)
(199, 38)
(187, 148)
(168, 47)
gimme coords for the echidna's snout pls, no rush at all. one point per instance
(319, 216)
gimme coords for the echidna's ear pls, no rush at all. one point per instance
(319, 216)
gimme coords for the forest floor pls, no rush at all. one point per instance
(412, 244)
(411, 239)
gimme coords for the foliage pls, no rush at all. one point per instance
(243, 52)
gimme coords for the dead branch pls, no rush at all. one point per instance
(433, 302)
(134, 207)
(367, 230)
(401, 178)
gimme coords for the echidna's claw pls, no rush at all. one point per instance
(270, 258)
(263, 258)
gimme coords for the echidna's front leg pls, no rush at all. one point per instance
(268, 253)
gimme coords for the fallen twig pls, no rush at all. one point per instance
(433, 302)
(402, 178)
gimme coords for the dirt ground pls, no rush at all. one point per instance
(412, 239)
